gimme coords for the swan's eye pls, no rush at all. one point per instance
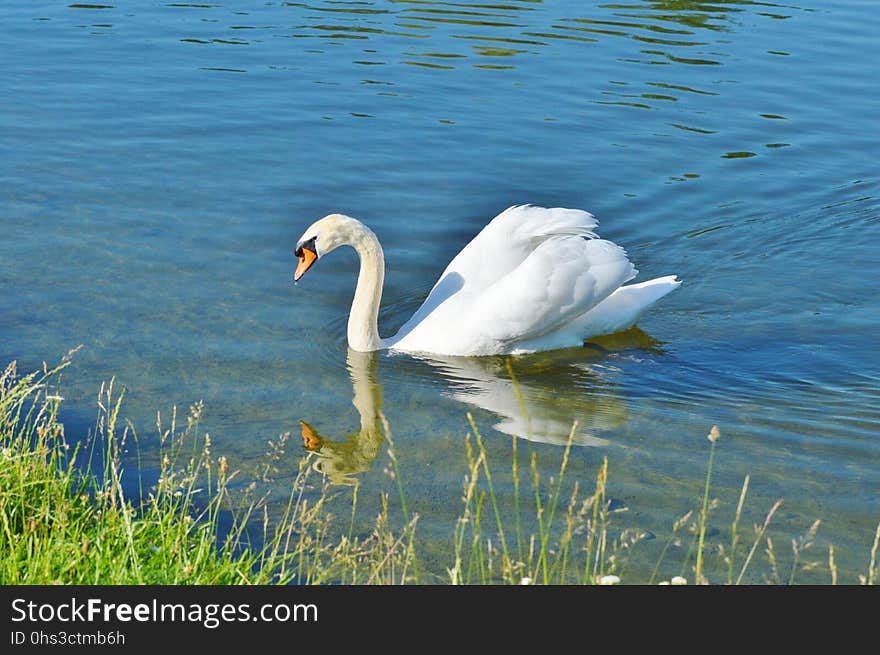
(308, 244)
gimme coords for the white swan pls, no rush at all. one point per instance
(533, 279)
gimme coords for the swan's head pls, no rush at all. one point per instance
(323, 236)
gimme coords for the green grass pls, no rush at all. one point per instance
(66, 519)
(59, 525)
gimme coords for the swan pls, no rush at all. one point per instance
(533, 279)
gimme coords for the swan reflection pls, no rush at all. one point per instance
(527, 409)
(547, 396)
(339, 460)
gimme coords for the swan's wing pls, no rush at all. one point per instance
(499, 248)
(510, 237)
(560, 280)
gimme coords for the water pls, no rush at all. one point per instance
(158, 162)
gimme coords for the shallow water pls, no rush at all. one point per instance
(158, 163)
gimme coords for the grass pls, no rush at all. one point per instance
(65, 517)
(61, 525)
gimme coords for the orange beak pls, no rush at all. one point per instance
(311, 439)
(305, 262)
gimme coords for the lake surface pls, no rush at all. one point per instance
(158, 162)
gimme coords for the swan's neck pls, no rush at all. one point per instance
(363, 320)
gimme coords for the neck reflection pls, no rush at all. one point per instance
(341, 460)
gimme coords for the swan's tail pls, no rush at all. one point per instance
(647, 293)
(624, 307)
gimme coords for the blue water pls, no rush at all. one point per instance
(158, 162)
